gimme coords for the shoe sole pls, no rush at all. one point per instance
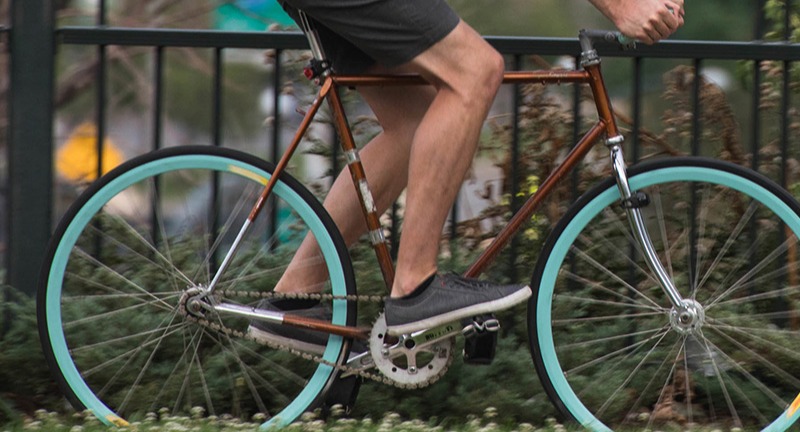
(481, 308)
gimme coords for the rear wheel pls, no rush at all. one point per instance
(608, 346)
(150, 234)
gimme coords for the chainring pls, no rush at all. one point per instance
(408, 360)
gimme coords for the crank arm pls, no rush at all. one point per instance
(422, 339)
(359, 363)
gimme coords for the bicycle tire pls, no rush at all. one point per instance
(601, 337)
(127, 250)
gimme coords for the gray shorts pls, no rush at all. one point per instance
(357, 34)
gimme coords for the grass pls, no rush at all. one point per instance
(310, 422)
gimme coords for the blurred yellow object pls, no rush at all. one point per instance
(77, 159)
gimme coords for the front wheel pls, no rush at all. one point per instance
(112, 299)
(608, 346)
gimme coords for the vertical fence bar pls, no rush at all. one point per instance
(760, 20)
(755, 135)
(100, 81)
(756, 96)
(276, 84)
(216, 119)
(635, 150)
(4, 195)
(216, 141)
(276, 134)
(515, 171)
(575, 175)
(637, 109)
(30, 152)
(785, 120)
(158, 87)
(697, 85)
(786, 93)
(792, 276)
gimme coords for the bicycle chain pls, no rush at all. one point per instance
(304, 355)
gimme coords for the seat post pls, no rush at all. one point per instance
(312, 36)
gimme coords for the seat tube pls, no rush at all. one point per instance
(358, 174)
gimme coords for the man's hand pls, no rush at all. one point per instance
(647, 21)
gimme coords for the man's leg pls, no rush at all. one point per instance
(399, 110)
(467, 73)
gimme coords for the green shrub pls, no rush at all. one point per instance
(25, 383)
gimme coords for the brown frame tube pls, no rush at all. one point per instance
(511, 77)
(298, 137)
(329, 90)
(533, 202)
(359, 176)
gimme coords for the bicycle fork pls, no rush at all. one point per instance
(686, 314)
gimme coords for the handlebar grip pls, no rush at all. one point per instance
(626, 42)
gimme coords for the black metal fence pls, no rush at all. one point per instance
(28, 189)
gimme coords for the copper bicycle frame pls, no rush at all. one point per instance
(590, 74)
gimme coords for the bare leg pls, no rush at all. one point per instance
(467, 73)
(399, 110)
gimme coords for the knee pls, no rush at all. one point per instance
(494, 69)
(485, 75)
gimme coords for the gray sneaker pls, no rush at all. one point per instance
(304, 340)
(450, 298)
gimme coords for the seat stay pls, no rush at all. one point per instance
(262, 199)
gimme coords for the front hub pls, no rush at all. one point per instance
(689, 318)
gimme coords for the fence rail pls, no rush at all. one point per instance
(705, 50)
(26, 234)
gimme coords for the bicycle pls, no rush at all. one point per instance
(693, 309)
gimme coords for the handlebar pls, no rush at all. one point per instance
(588, 37)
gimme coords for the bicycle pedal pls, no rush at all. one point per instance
(480, 324)
(480, 339)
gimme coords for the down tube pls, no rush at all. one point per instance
(533, 202)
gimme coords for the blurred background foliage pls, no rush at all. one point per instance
(24, 380)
